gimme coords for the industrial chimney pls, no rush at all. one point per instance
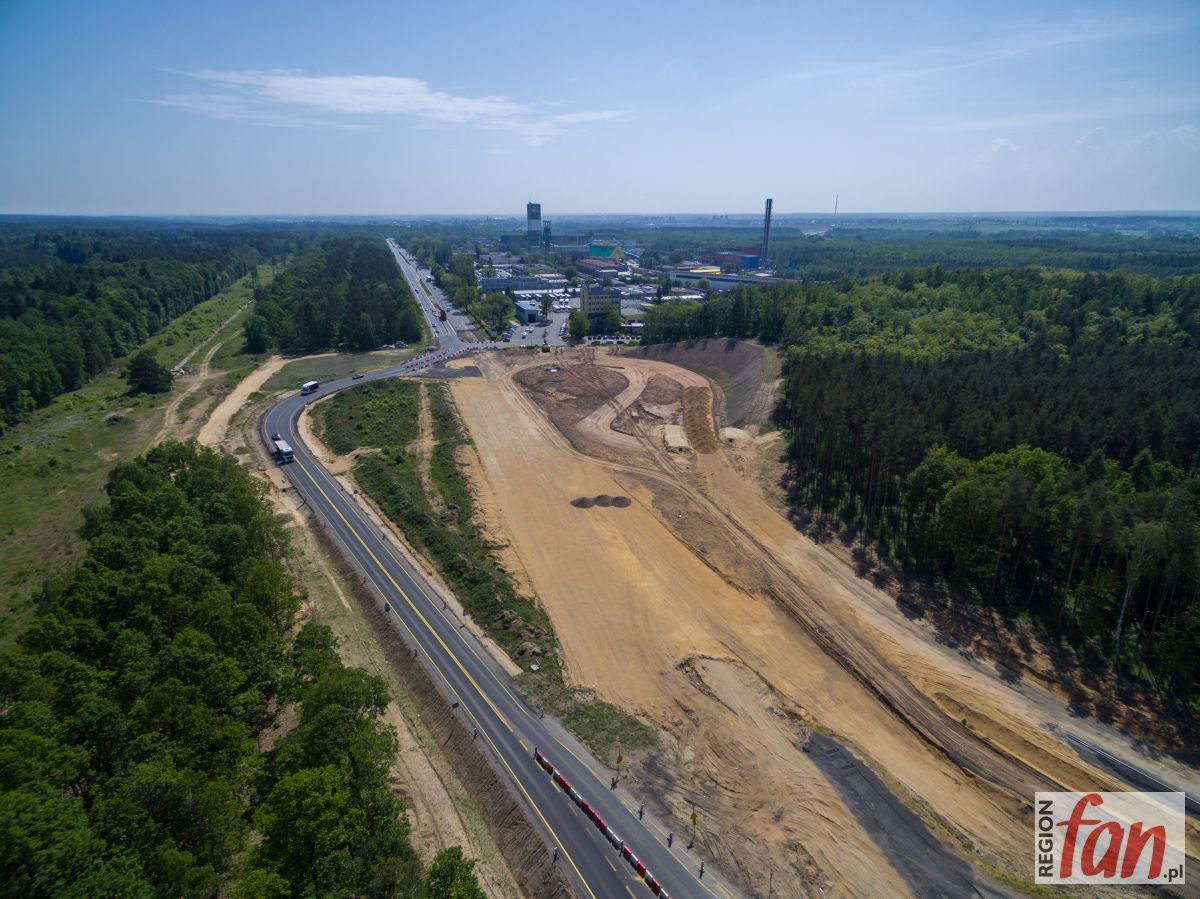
(766, 234)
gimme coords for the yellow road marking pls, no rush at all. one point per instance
(483, 731)
(394, 554)
(629, 891)
(408, 600)
(611, 865)
(522, 742)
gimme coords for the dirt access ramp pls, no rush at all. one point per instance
(751, 375)
(676, 581)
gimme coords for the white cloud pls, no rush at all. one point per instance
(270, 97)
(1095, 138)
(1184, 137)
(999, 149)
(227, 106)
(1181, 139)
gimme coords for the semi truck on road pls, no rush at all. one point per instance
(282, 451)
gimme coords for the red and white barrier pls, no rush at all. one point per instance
(591, 814)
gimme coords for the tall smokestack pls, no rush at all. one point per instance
(766, 241)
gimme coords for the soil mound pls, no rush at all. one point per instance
(697, 419)
(604, 501)
(738, 360)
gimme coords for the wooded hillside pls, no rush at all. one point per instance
(1032, 436)
(74, 300)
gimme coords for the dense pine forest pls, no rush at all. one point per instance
(136, 704)
(875, 250)
(862, 249)
(74, 299)
(344, 293)
(1032, 436)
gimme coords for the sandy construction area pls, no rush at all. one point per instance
(703, 610)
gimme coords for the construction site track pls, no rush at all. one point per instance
(952, 739)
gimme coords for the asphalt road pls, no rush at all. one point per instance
(428, 295)
(460, 322)
(508, 728)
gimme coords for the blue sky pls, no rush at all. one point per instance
(458, 107)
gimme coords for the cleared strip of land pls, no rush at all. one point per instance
(701, 609)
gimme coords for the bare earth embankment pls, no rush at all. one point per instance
(738, 637)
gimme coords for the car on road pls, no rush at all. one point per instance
(276, 436)
(357, 376)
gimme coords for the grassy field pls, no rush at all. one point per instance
(333, 366)
(382, 414)
(177, 339)
(57, 462)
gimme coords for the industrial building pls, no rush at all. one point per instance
(528, 311)
(503, 281)
(595, 303)
(533, 224)
(610, 251)
(746, 258)
(716, 280)
(604, 260)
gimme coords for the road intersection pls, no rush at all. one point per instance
(507, 725)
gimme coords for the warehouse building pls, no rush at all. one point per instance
(528, 311)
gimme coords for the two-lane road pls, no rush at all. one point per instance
(507, 728)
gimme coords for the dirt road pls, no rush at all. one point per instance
(172, 427)
(215, 428)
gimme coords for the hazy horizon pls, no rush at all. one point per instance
(281, 109)
(776, 214)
